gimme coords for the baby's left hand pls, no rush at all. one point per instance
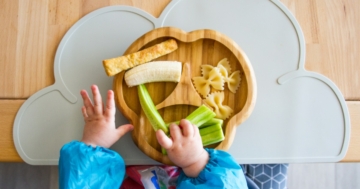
(100, 127)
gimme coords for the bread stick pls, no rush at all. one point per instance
(116, 65)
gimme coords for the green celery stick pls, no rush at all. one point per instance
(213, 128)
(212, 138)
(163, 151)
(212, 121)
(201, 115)
(150, 110)
(176, 122)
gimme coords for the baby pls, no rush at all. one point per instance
(90, 164)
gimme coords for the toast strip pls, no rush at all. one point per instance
(116, 65)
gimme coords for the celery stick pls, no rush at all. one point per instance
(211, 134)
(201, 115)
(212, 138)
(163, 151)
(212, 121)
(168, 124)
(150, 110)
(213, 128)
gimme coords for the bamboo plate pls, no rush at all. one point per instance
(177, 100)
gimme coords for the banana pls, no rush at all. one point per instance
(156, 71)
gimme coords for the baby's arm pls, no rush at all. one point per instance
(89, 163)
(202, 168)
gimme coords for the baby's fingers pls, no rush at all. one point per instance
(123, 129)
(87, 102)
(83, 110)
(110, 104)
(163, 140)
(175, 132)
(187, 127)
(98, 104)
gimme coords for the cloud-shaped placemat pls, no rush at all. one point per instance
(299, 116)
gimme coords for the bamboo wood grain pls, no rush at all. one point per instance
(332, 35)
(330, 29)
(8, 110)
(196, 48)
(353, 153)
(184, 92)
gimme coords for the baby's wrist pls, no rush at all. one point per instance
(194, 169)
(88, 143)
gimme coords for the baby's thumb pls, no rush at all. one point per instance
(163, 140)
(123, 129)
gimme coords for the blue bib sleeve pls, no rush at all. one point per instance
(83, 166)
(221, 171)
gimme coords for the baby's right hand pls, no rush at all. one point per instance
(185, 148)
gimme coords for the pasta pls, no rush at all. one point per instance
(225, 63)
(215, 100)
(233, 81)
(206, 69)
(214, 79)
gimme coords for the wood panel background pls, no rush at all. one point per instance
(32, 30)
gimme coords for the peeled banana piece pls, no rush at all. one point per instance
(156, 71)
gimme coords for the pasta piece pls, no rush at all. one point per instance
(223, 71)
(203, 84)
(225, 63)
(206, 69)
(215, 100)
(233, 81)
(216, 79)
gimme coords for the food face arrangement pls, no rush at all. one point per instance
(167, 75)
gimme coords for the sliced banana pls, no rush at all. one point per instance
(156, 71)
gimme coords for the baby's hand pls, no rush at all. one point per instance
(184, 148)
(100, 127)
